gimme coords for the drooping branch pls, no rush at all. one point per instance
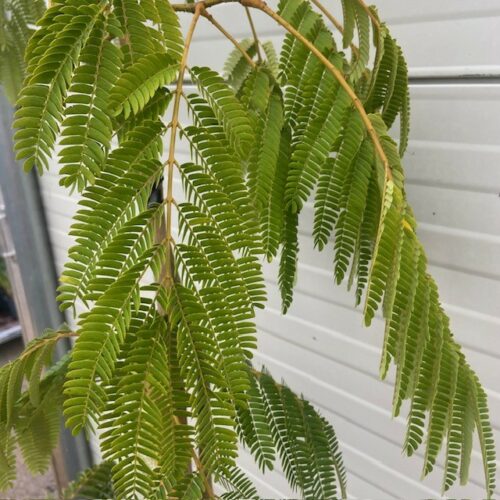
(262, 6)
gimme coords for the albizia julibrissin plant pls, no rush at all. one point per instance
(161, 364)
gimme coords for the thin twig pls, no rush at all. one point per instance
(372, 16)
(230, 37)
(254, 33)
(191, 7)
(335, 22)
(199, 8)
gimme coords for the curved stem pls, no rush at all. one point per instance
(230, 37)
(259, 4)
(199, 8)
(335, 22)
(254, 33)
(371, 15)
(45, 341)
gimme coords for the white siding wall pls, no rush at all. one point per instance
(453, 174)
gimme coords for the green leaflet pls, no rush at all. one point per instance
(226, 107)
(39, 423)
(255, 95)
(363, 28)
(18, 16)
(237, 485)
(240, 279)
(264, 165)
(254, 428)
(154, 110)
(318, 130)
(128, 177)
(210, 403)
(333, 178)
(86, 130)
(287, 275)
(348, 10)
(236, 67)
(191, 488)
(139, 38)
(130, 242)
(139, 82)
(211, 149)
(307, 22)
(133, 421)
(29, 366)
(485, 432)
(7, 459)
(233, 339)
(164, 16)
(271, 58)
(353, 198)
(306, 443)
(272, 220)
(203, 190)
(41, 102)
(11, 74)
(301, 90)
(101, 334)
(31, 419)
(90, 484)
(388, 90)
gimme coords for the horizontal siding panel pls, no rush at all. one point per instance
(462, 114)
(457, 209)
(454, 165)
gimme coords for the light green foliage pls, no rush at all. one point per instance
(167, 22)
(141, 381)
(237, 485)
(92, 483)
(17, 18)
(41, 102)
(162, 360)
(226, 107)
(139, 83)
(87, 129)
(4, 278)
(236, 67)
(31, 418)
(307, 446)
